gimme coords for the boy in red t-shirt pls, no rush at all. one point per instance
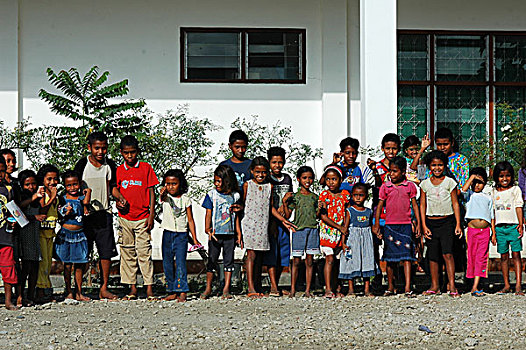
(136, 181)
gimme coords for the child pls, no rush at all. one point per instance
(254, 225)
(306, 239)
(439, 206)
(98, 172)
(7, 262)
(48, 177)
(481, 226)
(136, 181)
(507, 201)
(238, 143)
(29, 235)
(354, 172)
(358, 256)
(414, 149)
(71, 244)
(334, 222)
(177, 220)
(398, 195)
(279, 254)
(222, 226)
(457, 163)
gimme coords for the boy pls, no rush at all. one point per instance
(238, 143)
(279, 254)
(458, 164)
(354, 172)
(136, 181)
(98, 172)
(7, 261)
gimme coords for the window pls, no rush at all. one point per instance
(227, 55)
(456, 80)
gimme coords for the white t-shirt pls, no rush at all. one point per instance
(174, 213)
(505, 203)
(438, 197)
(97, 179)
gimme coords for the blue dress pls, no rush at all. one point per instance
(71, 246)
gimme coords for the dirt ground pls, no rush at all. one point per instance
(489, 322)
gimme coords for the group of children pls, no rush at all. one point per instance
(398, 202)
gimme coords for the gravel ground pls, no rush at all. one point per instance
(272, 323)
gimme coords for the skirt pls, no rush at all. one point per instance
(71, 246)
(358, 260)
(398, 243)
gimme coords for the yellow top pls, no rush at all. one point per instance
(47, 227)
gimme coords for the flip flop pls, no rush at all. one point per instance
(274, 294)
(227, 296)
(430, 292)
(521, 293)
(389, 293)
(152, 298)
(478, 293)
(410, 294)
(254, 295)
(204, 296)
(330, 295)
(454, 294)
(503, 292)
(129, 297)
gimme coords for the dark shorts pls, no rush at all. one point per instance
(98, 227)
(442, 237)
(228, 244)
(279, 253)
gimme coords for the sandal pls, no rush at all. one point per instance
(503, 292)
(130, 297)
(454, 294)
(478, 293)
(389, 293)
(204, 296)
(520, 292)
(152, 298)
(254, 295)
(274, 294)
(227, 296)
(430, 292)
(410, 294)
(195, 247)
(330, 295)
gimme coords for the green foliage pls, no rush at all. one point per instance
(510, 145)
(20, 137)
(262, 137)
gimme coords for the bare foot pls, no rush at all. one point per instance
(170, 297)
(285, 292)
(292, 294)
(105, 294)
(182, 298)
(11, 307)
(19, 301)
(81, 297)
(308, 294)
(69, 296)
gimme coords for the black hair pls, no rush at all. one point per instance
(129, 141)
(400, 162)
(361, 185)
(410, 141)
(304, 169)
(228, 178)
(390, 137)
(44, 169)
(444, 133)
(275, 152)
(97, 136)
(5, 151)
(70, 174)
(349, 141)
(436, 155)
(24, 175)
(500, 167)
(178, 174)
(480, 171)
(523, 164)
(237, 135)
(259, 161)
(331, 167)
(2, 161)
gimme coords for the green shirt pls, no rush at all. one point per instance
(305, 207)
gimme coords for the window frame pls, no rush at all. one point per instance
(243, 55)
(432, 83)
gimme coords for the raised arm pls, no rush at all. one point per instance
(425, 144)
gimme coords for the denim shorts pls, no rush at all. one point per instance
(306, 241)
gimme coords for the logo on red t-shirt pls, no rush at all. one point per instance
(126, 183)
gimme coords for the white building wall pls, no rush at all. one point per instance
(9, 62)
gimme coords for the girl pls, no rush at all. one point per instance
(398, 196)
(414, 149)
(358, 257)
(29, 235)
(258, 205)
(334, 222)
(439, 206)
(48, 177)
(306, 239)
(177, 219)
(508, 202)
(481, 223)
(222, 226)
(71, 244)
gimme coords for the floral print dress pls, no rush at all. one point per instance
(336, 204)
(256, 218)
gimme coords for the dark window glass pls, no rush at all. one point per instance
(461, 58)
(274, 55)
(412, 110)
(413, 57)
(510, 58)
(509, 98)
(213, 56)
